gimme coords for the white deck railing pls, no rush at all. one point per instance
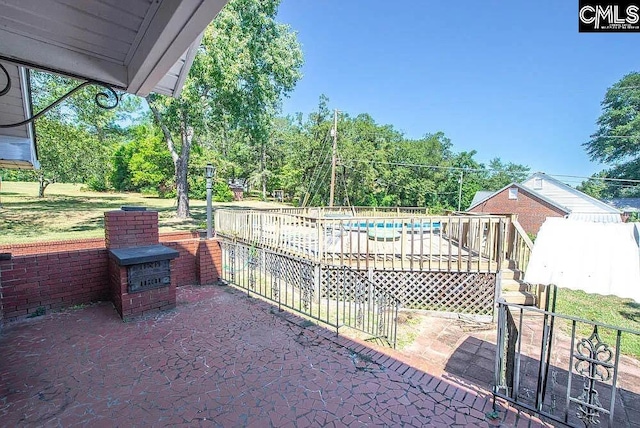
(397, 238)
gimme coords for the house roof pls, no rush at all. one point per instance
(480, 196)
(522, 188)
(627, 205)
(128, 44)
(575, 203)
(565, 195)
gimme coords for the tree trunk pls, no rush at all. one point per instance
(182, 168)
(43, 183)
(182, 188)
(180, 161)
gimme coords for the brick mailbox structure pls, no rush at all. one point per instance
(140, 268)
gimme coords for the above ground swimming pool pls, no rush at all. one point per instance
(411, 227)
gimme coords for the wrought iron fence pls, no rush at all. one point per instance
(395, 241)
(568, 372)
(333, 295)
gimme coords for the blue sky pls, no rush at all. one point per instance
(512, 79)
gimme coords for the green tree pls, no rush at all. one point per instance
(595, 186)
(418, 170)
(68, 154)
(310, 154)
(150, 163)
(246, 64)
(76, 138)
(500, 174)
(461, 182)
(616, 142)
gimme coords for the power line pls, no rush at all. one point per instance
(628, 180)
(609, 185)
(456, 168)
(450, 168)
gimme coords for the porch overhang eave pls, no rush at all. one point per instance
(157, 56)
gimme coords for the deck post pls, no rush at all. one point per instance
(403, 244)
(497, 291)
(320, 249)
(501, 242)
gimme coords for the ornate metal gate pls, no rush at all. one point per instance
(574, 380)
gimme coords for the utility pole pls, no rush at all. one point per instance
(334, 134)
(460, 191)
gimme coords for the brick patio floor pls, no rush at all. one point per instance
(218, 359)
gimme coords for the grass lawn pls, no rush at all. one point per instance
(69, 212)
(609, 310)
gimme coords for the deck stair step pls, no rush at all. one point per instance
(508, 264)
(513, 288)
(513, 274)
(514, 285)
(523, 298)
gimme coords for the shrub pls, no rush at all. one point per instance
(222, 192)
(97, 184)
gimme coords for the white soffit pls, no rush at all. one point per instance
(171, 83)
(17, 144)
(129, 44)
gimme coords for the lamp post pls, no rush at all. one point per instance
(209, 170)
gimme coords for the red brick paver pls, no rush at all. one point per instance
(218, 359)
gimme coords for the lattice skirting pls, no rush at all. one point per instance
(458, 292)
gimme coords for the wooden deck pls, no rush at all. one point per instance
(437, 243)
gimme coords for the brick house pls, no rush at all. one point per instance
(541, 196)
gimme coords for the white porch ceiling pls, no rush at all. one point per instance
(138, 46)
(129, 44)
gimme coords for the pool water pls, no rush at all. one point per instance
(417, 227)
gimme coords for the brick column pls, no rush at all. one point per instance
(209, 261)
(130, 228)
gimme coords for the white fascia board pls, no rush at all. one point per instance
(44, 56)
(28, 113)
(184, 71)
(172, 31)
(17, 153)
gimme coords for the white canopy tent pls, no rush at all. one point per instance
(602, 258)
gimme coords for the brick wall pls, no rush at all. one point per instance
(62, 274)
(5, 265)
(53, 281)
(177, 236)
(52, 246)
(531, 211)
(209, 262)
(185, 265)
